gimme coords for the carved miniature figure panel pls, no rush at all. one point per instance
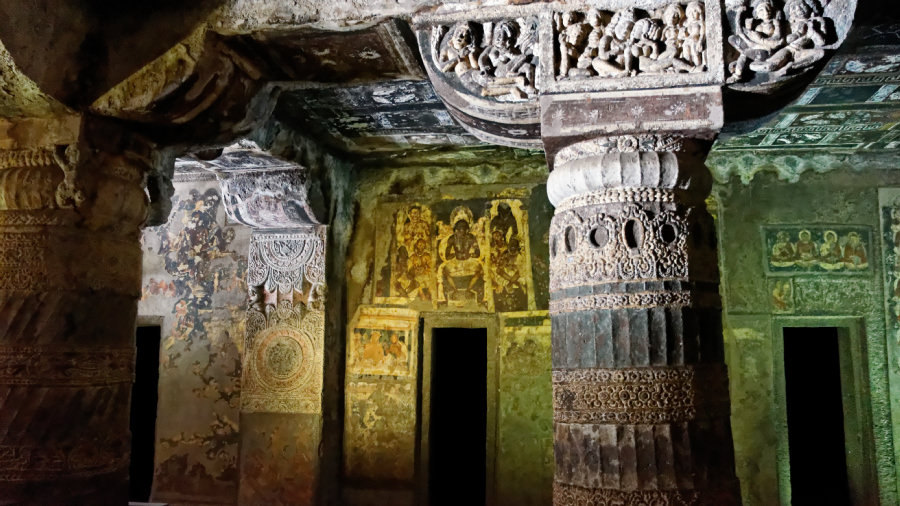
(495, 58)
(837, 249)
(771, 40)
(460, 255)
(667, 40)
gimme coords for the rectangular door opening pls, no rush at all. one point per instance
(143, 412)
(815, 416)
(458, 418)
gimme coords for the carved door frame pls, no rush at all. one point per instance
(435, 320)
(859, 437)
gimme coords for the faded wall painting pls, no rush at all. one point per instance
(889, 204)
(194, 271)
(525, 420)
(817, 249)
(380, 413)
(459, 255)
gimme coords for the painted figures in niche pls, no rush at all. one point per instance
(508, 268)
(818, 250)
(462, 272)
(783, 296)
(412, 270)
(380, 352)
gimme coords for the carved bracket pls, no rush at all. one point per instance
(263, 191)
(770, 41)
(485, 70)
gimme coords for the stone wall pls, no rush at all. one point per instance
(811, 253)
(194, 287)
(431, 245)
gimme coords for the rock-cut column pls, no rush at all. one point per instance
(640, 391)
(70, 273)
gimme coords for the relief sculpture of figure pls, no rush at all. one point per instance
(613, 55)
(757, 38)
(461, 54)
(692, 50)
(506, 69)
(805, 42)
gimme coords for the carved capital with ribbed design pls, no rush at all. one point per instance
(641, 409)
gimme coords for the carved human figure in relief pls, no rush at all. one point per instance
(461, 54)
(757, 37)
(692, 49)
(805, 40)
(505, 67)
(613, 55)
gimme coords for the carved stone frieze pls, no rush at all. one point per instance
(26, 365)
(644, 395)
(772, 40)
(628, 42)
(648, 299)
(85, 458)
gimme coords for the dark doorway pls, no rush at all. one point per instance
(143, 412)
(812, 373)
(458, 421)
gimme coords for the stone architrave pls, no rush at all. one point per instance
(640, 391)
(281, 395)
(70, 274)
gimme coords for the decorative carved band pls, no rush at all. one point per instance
(37, 217)
(617, 195)
(644, 395)
(50, 462)
(566, 495)
(43, 259)
(283, 261)
(681, 298)
(35, 157)
(42, 366)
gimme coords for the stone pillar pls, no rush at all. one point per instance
(281, 383)
(640, 391)
(70, 273)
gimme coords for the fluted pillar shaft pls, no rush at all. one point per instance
(70, 272)
(641, 408)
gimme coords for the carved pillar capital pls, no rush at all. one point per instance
(263, 191)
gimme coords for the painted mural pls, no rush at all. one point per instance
(782, 290)
(380, 413)
(460, 255)
(194, 271)
(834, 249)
